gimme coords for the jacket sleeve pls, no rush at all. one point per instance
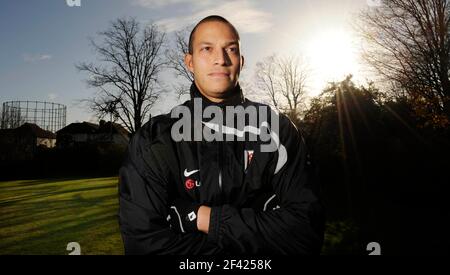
(143, 207)
(294, 228)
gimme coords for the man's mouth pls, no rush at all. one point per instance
(219, 74)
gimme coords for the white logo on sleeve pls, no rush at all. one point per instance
(192, 216)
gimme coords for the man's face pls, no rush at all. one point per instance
(216, 60)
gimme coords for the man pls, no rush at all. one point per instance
(218, 196)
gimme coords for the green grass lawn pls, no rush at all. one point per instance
(43, 216)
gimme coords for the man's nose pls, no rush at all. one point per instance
(221, 57)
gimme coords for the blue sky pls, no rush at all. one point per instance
(41, 41)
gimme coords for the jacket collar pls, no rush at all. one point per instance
(237, 97)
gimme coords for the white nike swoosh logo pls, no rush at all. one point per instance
(187, 174)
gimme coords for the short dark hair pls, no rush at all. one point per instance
(211, 18)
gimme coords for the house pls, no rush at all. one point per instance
(76, 134)
(110, 132)
(82, 133)
(23, 142)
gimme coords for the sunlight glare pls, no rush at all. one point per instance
(331, 55)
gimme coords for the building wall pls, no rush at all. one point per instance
(47, 142)
(81, 137)
(115, 139)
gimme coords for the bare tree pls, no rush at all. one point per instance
(12, 117)
(408, 44)
(175, 57)
(127, 79)
(283, 81)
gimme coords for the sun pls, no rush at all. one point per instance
(331, 55)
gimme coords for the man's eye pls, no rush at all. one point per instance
(233, 50)
(206, 49)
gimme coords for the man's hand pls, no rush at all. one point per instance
(204, 213)
(193, 216)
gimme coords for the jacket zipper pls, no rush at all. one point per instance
(220, 164)
(221, 153)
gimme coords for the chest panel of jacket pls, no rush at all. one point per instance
(222, 172)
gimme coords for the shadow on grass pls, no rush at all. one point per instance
(42, 193)
(52, 209)
(60, 212)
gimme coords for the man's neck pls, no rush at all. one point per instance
(227, 95)
(232, 97)
(213, 99)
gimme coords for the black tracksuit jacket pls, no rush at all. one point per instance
(261, 202)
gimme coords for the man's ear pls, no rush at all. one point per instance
(242, 62)
(188, 62)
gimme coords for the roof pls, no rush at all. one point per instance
(27, 128)
(107, 127)
(92, 128)
(6, 132)
(79, 128)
